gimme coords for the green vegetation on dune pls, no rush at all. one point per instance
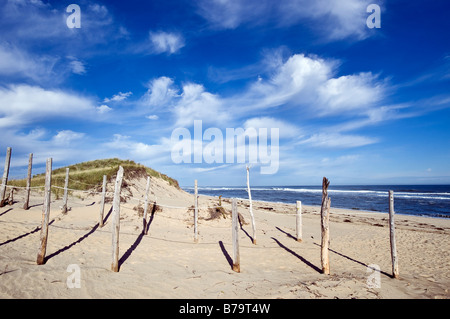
(89, 175)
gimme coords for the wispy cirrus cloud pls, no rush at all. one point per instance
(333, 20)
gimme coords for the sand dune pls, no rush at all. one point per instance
(166, 263)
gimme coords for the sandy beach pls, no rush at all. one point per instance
(167, 263)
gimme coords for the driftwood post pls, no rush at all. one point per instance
(235, 237)
(298, 222)
(26, 205)
(45, 213)
(66, 185)
(147, 189)
(116, 221)
(5, 176)
(251, 207)
(325, 220)
(395, 273)
(195, 212)
(102, 204)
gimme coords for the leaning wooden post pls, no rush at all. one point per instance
(45, 213)
(195, 212)
(395, 273)
(5, 176)
(325, 219)
(102, 204)
(116, 221)
(147, 189)
(251, 207)
(235, 237)
(66, 185)
(26, 205)
(298, 222)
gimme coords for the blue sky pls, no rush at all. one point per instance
(354, 104)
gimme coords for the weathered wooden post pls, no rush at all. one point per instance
(251, 207)
(298, 222)
(102, 204)
(115, 227)
(26, 205)
(45, 213)
(395, 273)
(147, 189)
(195, 212)
(5, 177)
(11, 196)
(66, 185)
(325, 220)
(235, 237)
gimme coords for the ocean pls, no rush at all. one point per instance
(419, 200)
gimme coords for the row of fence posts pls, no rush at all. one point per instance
(115, 218)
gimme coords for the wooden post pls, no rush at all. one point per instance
(45, 213)
(102, 204)
(325, 219)
(11, 196)
(195, 212)
(251, 207)
(66, 185)
(5, 176)
(147, 189)
(116, 221)
(26, 205)
(235, 237)
(395, 273)
(298, 222)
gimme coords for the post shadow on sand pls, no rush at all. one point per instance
(24, 235)
(8, 210)
(147, 224)
(287, 234)
(248, 235)
(127, 254)
(356, 261)
(298, 256)
(79, 240)
(138, 240)
(225, 253)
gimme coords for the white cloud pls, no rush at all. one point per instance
(24, 104)
(102, 109)
(66, 137)
(160, 92)
(166, 42)
(337, 140)
(308, 82)
(331, 19)
(196, 103)
(126, 147)
(78, 67)
(118, 97)
(17, 63)
(349, 92)
(286, 129)
(152, 117)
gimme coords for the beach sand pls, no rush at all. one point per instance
(166, 263)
